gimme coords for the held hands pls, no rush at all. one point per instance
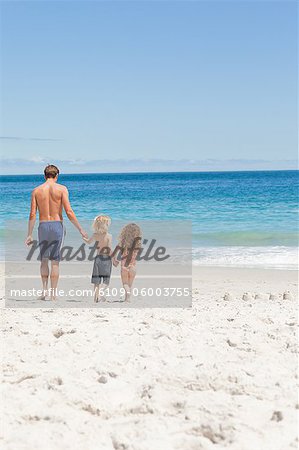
(84, 235)
(115, 262)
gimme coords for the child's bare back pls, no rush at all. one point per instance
(104, 243)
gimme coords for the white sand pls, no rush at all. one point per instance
(219, 375)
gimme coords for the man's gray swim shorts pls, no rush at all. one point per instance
(50, 236)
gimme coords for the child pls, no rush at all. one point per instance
(102, 263)
(129, 245)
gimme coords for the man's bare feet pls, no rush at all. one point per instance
(43, 296)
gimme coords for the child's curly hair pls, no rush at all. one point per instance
(101, 224)
(130, 235)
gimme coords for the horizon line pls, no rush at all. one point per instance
(151, 172)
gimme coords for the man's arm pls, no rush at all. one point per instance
(70, 213)
(32, 218)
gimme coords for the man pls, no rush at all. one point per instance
(50, 198)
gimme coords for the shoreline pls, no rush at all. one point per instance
(195, 265)
(242, 268)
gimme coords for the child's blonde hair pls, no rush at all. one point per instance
(130, 235)
(101, 224)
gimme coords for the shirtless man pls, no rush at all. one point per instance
(49, 199)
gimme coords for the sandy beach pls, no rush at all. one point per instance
(221, 374)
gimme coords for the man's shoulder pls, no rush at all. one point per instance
(61, 187)
(37, 188)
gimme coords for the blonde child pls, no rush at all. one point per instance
(102, 263)
(129, 245)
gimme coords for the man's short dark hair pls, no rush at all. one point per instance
(51, 171)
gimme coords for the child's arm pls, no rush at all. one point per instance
(109, 243)
(115, 252)
(112, 253)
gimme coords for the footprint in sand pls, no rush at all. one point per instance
(287, 296)
(102, 379)
(231, 344)
(58, 333)
(277, 416)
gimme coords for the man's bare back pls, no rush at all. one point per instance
(49, 198)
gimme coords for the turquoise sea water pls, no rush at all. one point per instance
(239, 218)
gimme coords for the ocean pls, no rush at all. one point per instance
(238, 218)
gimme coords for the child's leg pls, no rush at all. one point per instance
(124, 276)
(103, 286)
(125, 281)
(131, 276)
(96, 293)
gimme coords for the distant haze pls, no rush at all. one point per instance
(21, 166)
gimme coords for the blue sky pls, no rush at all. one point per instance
(134, 82)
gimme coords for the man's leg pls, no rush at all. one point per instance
(54, 278)
(44, 273)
